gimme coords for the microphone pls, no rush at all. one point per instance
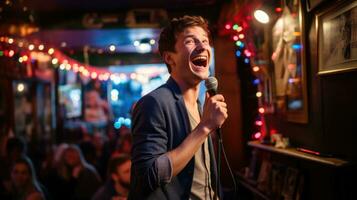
(211, 85)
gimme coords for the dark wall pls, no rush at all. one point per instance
(332, 100)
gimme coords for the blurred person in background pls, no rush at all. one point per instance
(15, 148)
(118, 180)
(24, 184)
(97, 113)
(96, 152)
(74, 178)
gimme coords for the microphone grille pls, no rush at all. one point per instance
(211, 83)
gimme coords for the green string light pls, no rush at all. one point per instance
(235, 26)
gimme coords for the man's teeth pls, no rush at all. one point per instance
(199, 58)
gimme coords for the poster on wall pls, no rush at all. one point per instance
(337, 39)
(289, 63)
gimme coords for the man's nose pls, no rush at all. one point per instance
(200, 45)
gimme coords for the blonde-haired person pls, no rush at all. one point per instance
(24, 184)
(75, 178)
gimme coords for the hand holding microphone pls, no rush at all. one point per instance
(215, 109)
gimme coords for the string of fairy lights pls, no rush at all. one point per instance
(23, 51)
(237, 32)
(246, 52)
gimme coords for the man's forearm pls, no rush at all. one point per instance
(181, 155)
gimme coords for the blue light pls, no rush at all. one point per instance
(256, 81)
(121, 120)
(127, 122)
(238, 53)
(296, 46)
(295, 105)
(117, 125)
(246, 60)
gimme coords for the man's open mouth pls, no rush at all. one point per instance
(200, 61)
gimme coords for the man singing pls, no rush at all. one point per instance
(172, 154)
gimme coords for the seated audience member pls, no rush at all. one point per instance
(96, 152)
(118, 181)
(15, 148)
(74, 177)
(55, 184)
(24, 184)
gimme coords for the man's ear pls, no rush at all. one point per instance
(168, 58)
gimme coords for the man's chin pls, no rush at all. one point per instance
(202, 76)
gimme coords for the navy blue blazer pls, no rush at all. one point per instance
(160, 124)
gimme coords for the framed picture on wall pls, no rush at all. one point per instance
(288, 41)
(311, 4)
(337, 39)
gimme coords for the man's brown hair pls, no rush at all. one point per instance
(169, 34)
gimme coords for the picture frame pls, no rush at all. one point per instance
(337, 39)
(289, 59)
(311, 4)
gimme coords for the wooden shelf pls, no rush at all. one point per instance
(335, 162)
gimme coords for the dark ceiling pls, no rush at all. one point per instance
(52, 13)
(113, 5)
(66, 21)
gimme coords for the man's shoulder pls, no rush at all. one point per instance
(162, 98)
(160, 94)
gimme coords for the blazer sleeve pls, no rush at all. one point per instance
(151, 167)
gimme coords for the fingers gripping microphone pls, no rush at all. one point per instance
(211, 85)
